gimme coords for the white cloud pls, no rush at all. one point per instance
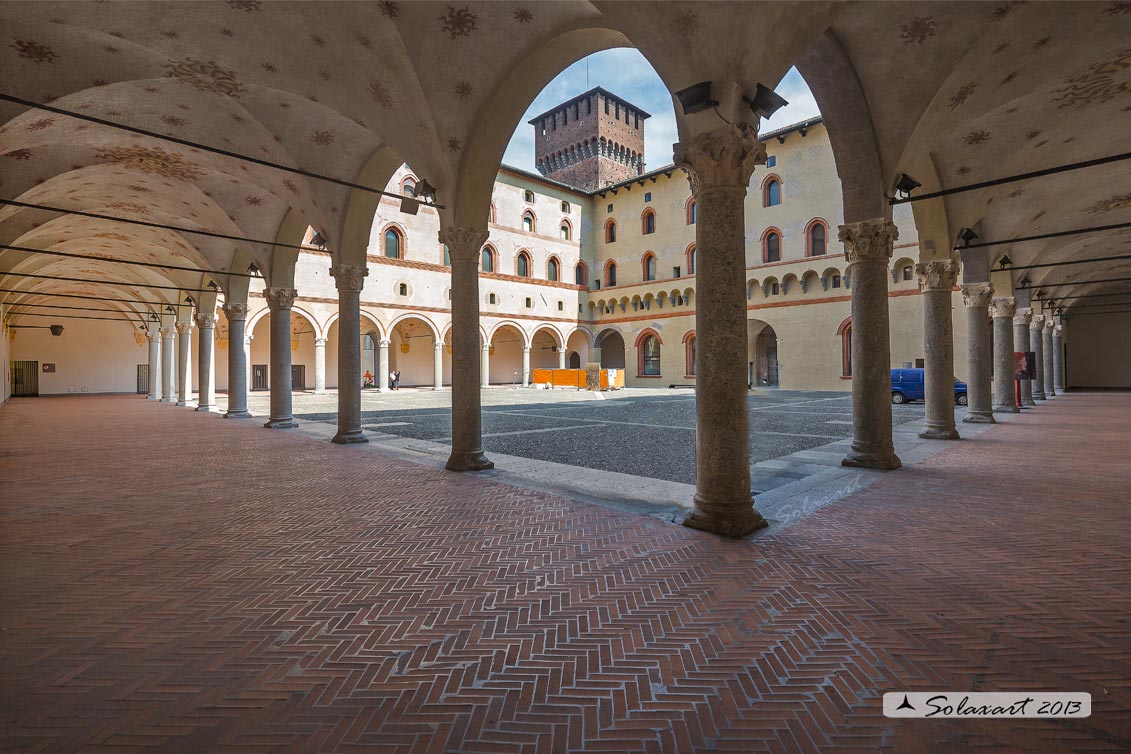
(626, 73)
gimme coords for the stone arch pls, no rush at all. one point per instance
(494, 330)
(414, 315)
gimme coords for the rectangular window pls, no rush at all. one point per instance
(609, 210)
(771, 161)
(561, 307)
(529, 303)
(491, 298)
(675, 272)
(648, 196)
(606, 107)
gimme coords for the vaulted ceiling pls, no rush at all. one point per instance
(952, 93)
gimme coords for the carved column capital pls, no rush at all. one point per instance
(1003, 307)
(206, 321)
(977, 295)
(1038, 322)
(349, 277)
(868, 241)
(725, 157)
(1058, 330)
(184, 328)
(464, 242)
(438, 345)
(1050, 325)
(234, 310)
(280, 298)
(153, 336)
(168, 332)
(319, 342)
(384, 343)
(1022, 316)
(938, 275)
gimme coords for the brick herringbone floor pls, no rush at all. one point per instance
(173, 582)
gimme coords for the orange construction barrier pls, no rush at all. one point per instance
(575, 378)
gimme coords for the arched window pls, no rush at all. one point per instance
(566, 231)
(393, 243)
(580, 274)
(909, 272)
(447, 256)
(552, 268)
(690, 350)
(487, 259)
(648, 354)
(493, 213)
(816, 239)
(611, 274)
(522, 265)
(408, 188)
(649, 266)
(691, 259)
(845, 333)
(691, 212)
(771, 247)
(771, 192)
(528, 196)
(565, 206)
(610, 231)
(648, 222)
(528, 221)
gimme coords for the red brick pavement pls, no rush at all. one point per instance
(173, 582)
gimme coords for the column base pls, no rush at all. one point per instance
(979, 418)
(183, 403)
(1010, 409)
(241, 414)
(350, 437)
(1039, 397)
(1028, 403)
(940, 433)
(883, 459)
(287, 423)
(168, 400)
(473, 460)
(153, 397)
(319, 392)
(729, 521)
(206, 409)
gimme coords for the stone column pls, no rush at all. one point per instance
(1021, 343)
(184, 345)
(719, 164)
(206, 328)
(1046, 346)
(1058, 358)
(320, 366)
(485, 368)
(383, 366)
(526, 366)
(1036, 345)
(464, 245)
(936, 281)
(154, 338)
(280, 301)
(1005, 399)
(561, 358)
(867, 249)
(438, 365)
(168, 365)
(350, 280)
(979, 383)
(238, 347)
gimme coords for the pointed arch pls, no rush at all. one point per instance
(771, 190)
(817, 237)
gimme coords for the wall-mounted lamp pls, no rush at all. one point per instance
(1024, 281)
(170, 310)
(1004, 262)
(253, 270)
(153, 317)
(212, 284)
(55, 329)
(696, 98)
(967, 235)
(905, 184)
(765, 101)
(424, 192)
(318, 240)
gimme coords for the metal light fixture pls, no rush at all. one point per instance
(153, 317)
(253, 270)
(424, 192)
(1024, 281)
(696, 98)
(212, 284)
(55, 329)
(170, 310)
(967, 235)
(905, 184)
(765, 101)
(1004, 262)
(318, 240)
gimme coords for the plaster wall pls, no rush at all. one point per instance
(1095, 358)
(5, 358)
(89, 357)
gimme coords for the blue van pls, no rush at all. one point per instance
(907, 385)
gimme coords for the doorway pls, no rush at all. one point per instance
(25, 379)
(259, 377)
(142, 379)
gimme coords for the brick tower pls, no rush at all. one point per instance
(591, 141)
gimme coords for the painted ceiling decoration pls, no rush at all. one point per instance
(955, 93)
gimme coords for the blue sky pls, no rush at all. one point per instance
(626, 73)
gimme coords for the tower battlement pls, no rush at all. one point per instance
(591, 141)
